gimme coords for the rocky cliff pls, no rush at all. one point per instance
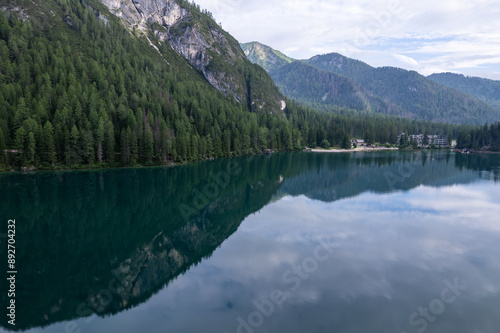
(197, 38)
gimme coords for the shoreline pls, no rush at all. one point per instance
(363, 149)
(110, 167)
(476, 152)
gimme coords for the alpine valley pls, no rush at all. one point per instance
(107, 83)
(233, 188)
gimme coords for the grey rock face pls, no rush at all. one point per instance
(186, 37)
(124, 9)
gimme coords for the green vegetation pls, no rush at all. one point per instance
(419, 96)
(78, 91)
(89, 93)
(337, 128)
(265, 56)
(485, 137)
(484, 89)
(327, 91)
(331, 82)
(223, 61)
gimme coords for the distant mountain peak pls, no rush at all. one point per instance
(421, 97)
(331, 80)
(265, 56)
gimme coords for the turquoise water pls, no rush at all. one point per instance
(295, 242)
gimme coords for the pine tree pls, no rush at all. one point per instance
(134, 147)
(21, 114)
(210, 146)
(164, 142)
(99, 139)
(346, 141)
(125, 147)
(87, 140)
(414, 143)
(47, 149)
(3, 146)
(31, 148)
(194, 148)
(73, 147)
(226, 142)
(425, 141)
(109, 139)
(148, 145)
(287, 138)
(21, 136)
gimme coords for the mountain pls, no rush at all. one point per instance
(127, 82)
(420, 96)
(315, 87)
(484, 89)
(195, 36)
(264, 56)
(322, 89)
(331, 81)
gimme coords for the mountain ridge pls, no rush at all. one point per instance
(486, 90)
(323, 89)
(398, 91)
(258, 53)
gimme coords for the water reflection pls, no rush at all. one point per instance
(98, 243)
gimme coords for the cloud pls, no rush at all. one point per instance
(390, 262)
(406, 60)
(429, 36)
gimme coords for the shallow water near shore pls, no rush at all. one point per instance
(293, 242)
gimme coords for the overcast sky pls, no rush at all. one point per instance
(429, 36)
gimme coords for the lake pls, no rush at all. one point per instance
(293, 242)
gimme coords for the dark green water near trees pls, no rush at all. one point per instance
(294, 242)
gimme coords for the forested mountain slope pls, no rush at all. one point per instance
(78, 85)
(484, 89)
(420, 96)
(193, 34)
(328, 91)
(332, 81)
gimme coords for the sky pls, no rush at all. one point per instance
(428, 36)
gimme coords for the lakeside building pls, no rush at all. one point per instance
(438, 140)
(360, 143)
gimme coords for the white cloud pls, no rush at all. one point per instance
(428, 36)
(406, 60)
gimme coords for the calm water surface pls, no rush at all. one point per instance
(297, 242)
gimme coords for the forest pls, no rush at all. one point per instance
(485, 138)
(484, 89)
(85, 92)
